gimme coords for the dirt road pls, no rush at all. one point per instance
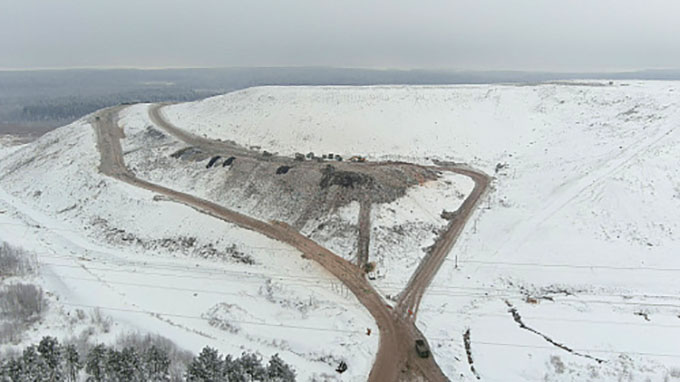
(409, 299)
(209, 145)
(364, 241)
(395, 359)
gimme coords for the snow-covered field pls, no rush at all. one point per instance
(583, 211)
(578, 235)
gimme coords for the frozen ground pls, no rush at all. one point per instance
(579, 233)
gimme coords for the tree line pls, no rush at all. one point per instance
(50, 361)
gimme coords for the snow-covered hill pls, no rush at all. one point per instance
(580, 234)
(162, 267)
(577, 240)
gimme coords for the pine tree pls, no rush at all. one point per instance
(95, 364)
(130, 366)
(279, 371)
(252, 366)
(233, 370)
(156, 365)
(207, 367)
(12, 370)
(34, 367)
(51, 353)
(72, 364)
(112, 365)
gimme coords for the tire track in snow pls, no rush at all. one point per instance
(528, 227)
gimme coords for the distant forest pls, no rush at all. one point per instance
(32, 102)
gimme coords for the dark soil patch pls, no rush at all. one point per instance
(154, 134)
(186, 153)
(346, 179)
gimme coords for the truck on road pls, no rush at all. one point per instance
(421, 349)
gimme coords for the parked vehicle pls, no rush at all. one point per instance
(421, 349)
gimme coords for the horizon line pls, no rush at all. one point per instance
(367, 68)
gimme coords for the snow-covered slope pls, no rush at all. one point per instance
(580, 232)
(162, 267)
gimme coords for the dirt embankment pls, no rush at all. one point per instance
(282, 188)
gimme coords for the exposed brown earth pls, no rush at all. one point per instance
(301, 193)
(364, 240)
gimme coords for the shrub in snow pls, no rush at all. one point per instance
(100, 321)
(21, 302)
(15, 261)
(20, 306)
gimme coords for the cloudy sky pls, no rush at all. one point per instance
(563, 35)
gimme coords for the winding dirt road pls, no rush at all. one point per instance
(396, 359)
(409, 299)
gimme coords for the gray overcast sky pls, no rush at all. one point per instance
(564, 35)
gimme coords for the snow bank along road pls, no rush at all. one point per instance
(396, 358)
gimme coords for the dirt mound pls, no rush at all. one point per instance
(317, 189)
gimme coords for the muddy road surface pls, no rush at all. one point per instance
(409, 299)
(396, 359)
